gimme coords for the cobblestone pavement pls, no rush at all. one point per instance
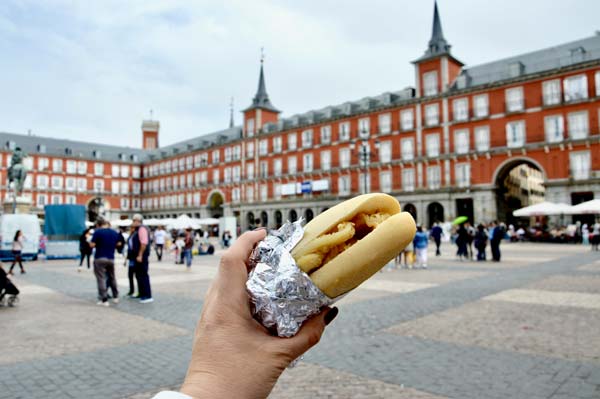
(523, 328)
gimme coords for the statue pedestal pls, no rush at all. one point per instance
(23, 205)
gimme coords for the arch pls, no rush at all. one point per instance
(308, 215)
(250, 220)
(292, 215)
(435, 213)
(278, 219)
(264, 219)
(510, 163)
(214, 203)
(410, 208)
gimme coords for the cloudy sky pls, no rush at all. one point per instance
(92, 70)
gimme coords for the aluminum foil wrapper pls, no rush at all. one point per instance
(282, 295)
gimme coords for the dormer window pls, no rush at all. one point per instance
(462, 81)
(133, 158)
(11, 145)
(41, 148)
(96, 154)
(68, 151)
(577, 54)
(122, 157)
(515, 69)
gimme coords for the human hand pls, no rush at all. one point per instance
(139, 258)
(233, 355)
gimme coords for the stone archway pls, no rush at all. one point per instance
(435, 213)
(278, 219)
(293, 215)
(308, 215)
(410, 208)
(250, 220)
(264, 219)
(215, 204)
(519, 182)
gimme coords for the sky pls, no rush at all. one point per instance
(93, 70)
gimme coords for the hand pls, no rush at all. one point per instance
(233, 355)
(139, 259)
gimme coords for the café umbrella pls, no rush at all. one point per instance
(460, 220)
(543, 209)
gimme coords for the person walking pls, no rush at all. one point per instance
(17, 250)
(130, 260)
(160, 236)
(188, 245)
(461, 242)
(420, 243)
(481, 239)
(436, 233)
(105, 240)
(140, 248)
(470, 236)
(595, 236)
(495, 239)
(85, 250)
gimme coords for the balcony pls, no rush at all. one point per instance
(515, 106)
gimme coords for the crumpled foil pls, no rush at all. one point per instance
(282, 295)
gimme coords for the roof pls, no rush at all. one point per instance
(437, 45)
(261, 98)
(32, 144)
(547, 59)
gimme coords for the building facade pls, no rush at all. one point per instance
(445, 147)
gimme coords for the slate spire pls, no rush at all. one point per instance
(437, 43)
(261, 98)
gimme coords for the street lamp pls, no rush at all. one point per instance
(363, 152)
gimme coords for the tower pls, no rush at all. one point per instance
(150, 130)
(261, 111)
(437, 68)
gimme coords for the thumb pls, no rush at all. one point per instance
(310, 333)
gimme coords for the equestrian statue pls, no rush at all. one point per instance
(17, 172)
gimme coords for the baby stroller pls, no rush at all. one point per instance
(8, 291)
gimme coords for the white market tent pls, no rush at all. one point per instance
(586, 208)
(120, 223)
(183, 222)
(207, 221)
(543, 209)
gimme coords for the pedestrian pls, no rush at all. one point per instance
(461, 242)
(188, 245)
(585, 234)
(159, 242)
(85, 250)
(409, 256)
(420, 243)
(130, 263)
(496, 236)
(436, 233)
(179, 244)
(481, 239)
(105, 241)
(140, 246)
(596, 236)
(470, 236)
(17, 251)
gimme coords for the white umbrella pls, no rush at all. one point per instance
(183, 222)
(157, 222)
(121, 223)
(589, 207)
(207, 221)
(543, 209)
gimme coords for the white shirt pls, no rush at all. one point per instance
(159, 236)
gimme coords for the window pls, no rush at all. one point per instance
(434, 180)
(407, 149)
(28, 182)
(408, 179)
(115, 187)
(480, 106)
(344, 131)
(364, 127)
(407, 120)
(430, 83)
(307, 163)
(515, 134)
(344, 185)
(307, 138)
(98, 169)
(461, 141)
(385, 152)
(42, 200)
(175, 165)
(216, 157)
(43, 164)
(249, 193)
(237, 152)
(553, 126)
(41, 181)
(432, 115)
(124, 203)
(97, 154)
(432, 145)
(71, 167)
(325, 160)
(460, 108)
(580, 165)
(136, 188)
(116, 170)
(71, 183)
(57, 182)
(325, 134)
(362, 180)
(41, 148)
(277, 167)
(277, 191)
(135, 172)
(235, 194)
(344, 154)
(28, 163)
(56, 199)
(277, 144)
(250, 127)
(71, 199)
(227, 175)
(551, 92)
(196, 199)
(263, 147)
(125, 171)
(228, 154)
(98, 185)
(463, 174)
(575, 88)
(264, 192)
(514, 99)
(181, 163)
(250, 150)
(292, 142)
(482, 138)
(385, 123)
(197, 161)
(264, 169)
(237, 172)
(82, 167)
(57, 165)
(250, 171)
(292, 165)
(216, 176)
(385, 181)
(578, 125)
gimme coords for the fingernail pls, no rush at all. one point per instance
(331, 315)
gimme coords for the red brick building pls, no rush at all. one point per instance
(444, 148)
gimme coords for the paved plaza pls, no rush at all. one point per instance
(527, 327)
